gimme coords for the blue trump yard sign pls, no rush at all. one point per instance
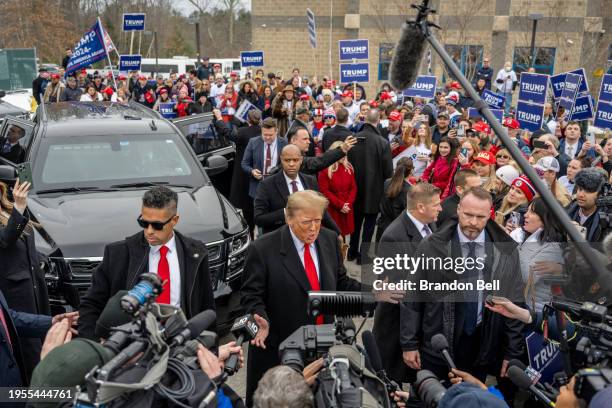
(570, 90)
(495, 101)
(583, 108)
(424, 87)
(558, 81)
(134, 22)
(498, 113)
(603, 115)
(167, 110)
(545, 358)
(129, 62)
(605, 91)
(252, 59)
(353, 49)
(533, 88)
(529, 115)
(359, 72)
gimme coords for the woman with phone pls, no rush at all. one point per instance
(515, 203)
(439, 172)
(21, 279)
(465, 159)
(541, 241)
(419, 142)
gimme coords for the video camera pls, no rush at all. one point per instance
(156, 350)
(352, 376)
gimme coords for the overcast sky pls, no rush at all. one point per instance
(185, 7)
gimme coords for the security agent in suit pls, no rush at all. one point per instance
(281, 267)
(273, 192)
(262, 154)
(340, 131)
(403, 235)
(180, 261)
(10, 148)
(464, 180)
(313, 165)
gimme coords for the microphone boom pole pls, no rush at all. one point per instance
(558, 211)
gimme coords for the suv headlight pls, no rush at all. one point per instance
(239, 242)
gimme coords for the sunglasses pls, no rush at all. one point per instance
(157, 225)
(503, 156)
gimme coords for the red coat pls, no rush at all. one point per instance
(442, 173)
(339, 190)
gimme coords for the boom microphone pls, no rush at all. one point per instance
(371, 348)
(440, 344)
(196, 325)
(407, 58)
(522, 380)
(341, 304)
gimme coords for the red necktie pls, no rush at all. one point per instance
(268, 159)
(5, 326)
(163, 271)
(311, 274)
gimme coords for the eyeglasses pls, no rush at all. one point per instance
(503, 156)
(157, 225)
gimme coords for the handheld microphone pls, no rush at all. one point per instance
(244, 329)
(150, 285)
(341, 304)
(522, 380)
(195, 326)
(535, 376)
(407, 58)
(440, 344)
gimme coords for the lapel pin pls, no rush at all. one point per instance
(196, 255)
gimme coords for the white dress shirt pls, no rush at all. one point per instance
(419, 225)
(297, 180)
(299, 246)
(480, 253)
(274, 152)
(175, 271)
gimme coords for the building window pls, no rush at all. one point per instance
(385, 53)
(609, 71)
(544, 60)
(467, 57)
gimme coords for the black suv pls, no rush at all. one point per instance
(92, 162)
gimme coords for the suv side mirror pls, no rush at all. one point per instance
(7, 173)
(215, 164)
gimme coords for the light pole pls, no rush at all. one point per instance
(156, 50)
(195, 19)
(534, 17)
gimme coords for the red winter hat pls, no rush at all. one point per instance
(395, 116)
(163, 90)
(481, 127)
(108, 90)
(485, 158)
(511, 123)
(455, 85)
(385, 95)
(122, 77)
(84, 71)
(347, 94)
(142, 77)
(55, 76)
(373, 103)
(233, 74)
(318, 112)
(304, 97)
(524, 184)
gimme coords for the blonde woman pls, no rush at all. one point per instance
(484, 165)
(515, 203)
(337, 183)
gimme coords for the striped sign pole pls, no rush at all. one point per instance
(312, 35)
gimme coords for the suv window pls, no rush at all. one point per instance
(110, 160)
(201, 134)
(14, 138)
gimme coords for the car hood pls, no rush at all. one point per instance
(81, 225)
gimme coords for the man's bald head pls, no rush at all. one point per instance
(290, 149)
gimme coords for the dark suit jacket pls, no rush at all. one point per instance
(401, 236)
(22, 281)
(334, 134)
(20, 324)
(253, 159)
(276, 288)
(125, 260)
(271, 201)
(239, 193)
(16, 154)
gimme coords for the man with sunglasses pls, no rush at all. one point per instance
(180, 262)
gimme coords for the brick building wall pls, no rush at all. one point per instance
(579, 31)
